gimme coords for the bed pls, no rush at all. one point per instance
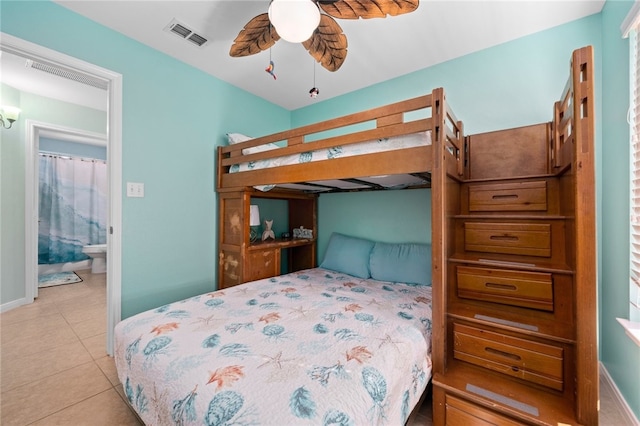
(316, 346)
(409, 138)
(332, 344)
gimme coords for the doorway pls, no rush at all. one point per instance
(113, 81)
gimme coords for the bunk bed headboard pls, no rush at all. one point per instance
(389, 121)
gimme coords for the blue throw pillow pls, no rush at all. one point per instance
(405, 263)
(349, 255)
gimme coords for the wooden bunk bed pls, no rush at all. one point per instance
(445, 131)
(491, 194)
(512, 264)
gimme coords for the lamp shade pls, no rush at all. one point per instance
(294, 20)
(254, 215)
(10, 112)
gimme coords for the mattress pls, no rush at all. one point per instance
(369, 147)
(311, 347)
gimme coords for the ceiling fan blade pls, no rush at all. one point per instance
(257, 35)
(354, 9)
(328, 45)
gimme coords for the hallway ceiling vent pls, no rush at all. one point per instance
(184, 32)
(68, 74)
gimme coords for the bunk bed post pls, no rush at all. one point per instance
(438, 232)
(585, 229)
(219, 168)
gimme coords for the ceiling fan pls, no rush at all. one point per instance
(324, 38)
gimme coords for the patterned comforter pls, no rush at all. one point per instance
(377, 145)
(311, 347)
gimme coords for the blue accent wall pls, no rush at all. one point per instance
(510, 85)
(389, 216)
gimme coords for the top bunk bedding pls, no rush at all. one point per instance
(398, 144)
(368, 147)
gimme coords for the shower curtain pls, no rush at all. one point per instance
(72, 207)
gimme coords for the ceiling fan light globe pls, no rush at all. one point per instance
(294, 20)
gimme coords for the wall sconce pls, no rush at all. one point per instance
(254, 221)
(10, 114)
(294, 20)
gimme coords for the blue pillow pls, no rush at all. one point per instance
(349, 255)
(404, 263)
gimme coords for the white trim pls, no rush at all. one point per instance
(632, 329)
(114, 233)
(617, 395)
(33, 131)
(25, 48)
(631, 21)
(71, 135)
(13, 304)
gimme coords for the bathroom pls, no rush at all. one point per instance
(72, 207)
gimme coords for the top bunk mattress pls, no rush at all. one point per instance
(362, 148)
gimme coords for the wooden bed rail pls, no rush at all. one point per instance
(385, 115)
(387, 121)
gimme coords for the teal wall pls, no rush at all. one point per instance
(510, 85)
(169, 236)
(617, 352)
(11, 214)
(392, 217)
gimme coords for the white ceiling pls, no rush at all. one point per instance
(379, 49)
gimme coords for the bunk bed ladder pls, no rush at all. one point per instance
(516, 314)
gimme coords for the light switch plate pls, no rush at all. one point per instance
(135, 189)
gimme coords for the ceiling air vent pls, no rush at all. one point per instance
(185, 32)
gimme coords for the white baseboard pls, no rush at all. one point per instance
(626, 410)
(13, 304)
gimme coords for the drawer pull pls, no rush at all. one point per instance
(501, 286)
(504, 196)
(502, 353)
(505, 237)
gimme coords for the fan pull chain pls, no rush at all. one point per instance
(314, 92)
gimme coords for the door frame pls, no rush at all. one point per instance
(114, 170)
(34, 131)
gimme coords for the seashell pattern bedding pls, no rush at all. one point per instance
(306, 348)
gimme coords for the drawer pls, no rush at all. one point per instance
(528, 239)
(459, 412)
(517, 288)
(262, 264)
(525, 196)
(531, 361)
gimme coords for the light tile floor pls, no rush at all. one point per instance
(54, 369)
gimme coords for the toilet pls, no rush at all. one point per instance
(98, 253)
